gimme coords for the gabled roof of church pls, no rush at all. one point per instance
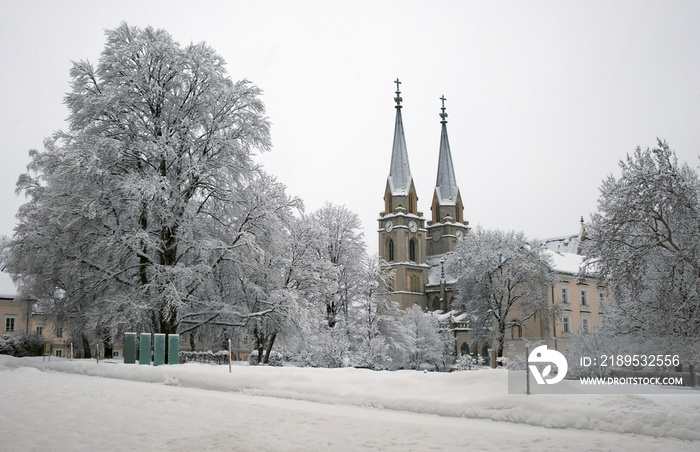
(446, 187)
(400, 172)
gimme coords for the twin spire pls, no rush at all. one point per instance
(446, 184)
(400, 172)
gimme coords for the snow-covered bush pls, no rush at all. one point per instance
(515, 360)
(21, 345)
(465, 362)
(275, 359)
(220, 357)
(324, 347)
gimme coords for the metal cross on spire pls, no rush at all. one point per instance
(398, 98)
(443, 115)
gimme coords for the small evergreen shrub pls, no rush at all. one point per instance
(20, 345)
(220, 357)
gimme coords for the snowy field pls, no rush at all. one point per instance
(81, 405)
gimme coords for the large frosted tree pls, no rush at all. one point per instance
(502, 281)
(645, 242)
(132, 211)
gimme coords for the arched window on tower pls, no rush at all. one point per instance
(390, 249)
(516, 331)
(410, 204)
(412, 250)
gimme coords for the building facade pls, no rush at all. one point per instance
(19, 316)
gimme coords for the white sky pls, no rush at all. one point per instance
(543, 97)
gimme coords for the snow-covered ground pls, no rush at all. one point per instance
(63, 405)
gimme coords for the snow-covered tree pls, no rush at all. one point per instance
(339, 243)
(502, 281)
(134, 208)
(378, 338)
(645, 242)
(251, 287)
(430, 342)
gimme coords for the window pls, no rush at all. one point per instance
(413, 282)
(10, 323)
(564, 294)
(115, 353)
(516, 332)
(584, 298)
(412, 250)
(390, 250)
(436, 304)
(59, 331)
(39, 330)
(565, 324)
(410, 204)
(59, 353)
(584, 325)
(601, 297)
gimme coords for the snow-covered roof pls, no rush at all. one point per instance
(446, 185)
(565, 250)
(567, 263)
(399, 172)
(7, 287)
(563, 244)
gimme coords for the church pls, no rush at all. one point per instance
(413, 246)
(417, 248)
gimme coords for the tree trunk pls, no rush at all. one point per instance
(501, 336)
(109, 350)
(259, 344)
(268, 348)
(87, 352)
(168, 321)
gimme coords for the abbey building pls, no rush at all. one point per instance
(413, 245)
(417, 248)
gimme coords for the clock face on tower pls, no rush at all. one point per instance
(459, 234)
(413, 226)
(388, 226)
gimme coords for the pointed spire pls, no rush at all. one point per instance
(400, 172)
(446, 184)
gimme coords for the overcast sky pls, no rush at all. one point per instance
(543, 97)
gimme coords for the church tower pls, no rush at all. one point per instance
(447, 224)
(402, 233)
